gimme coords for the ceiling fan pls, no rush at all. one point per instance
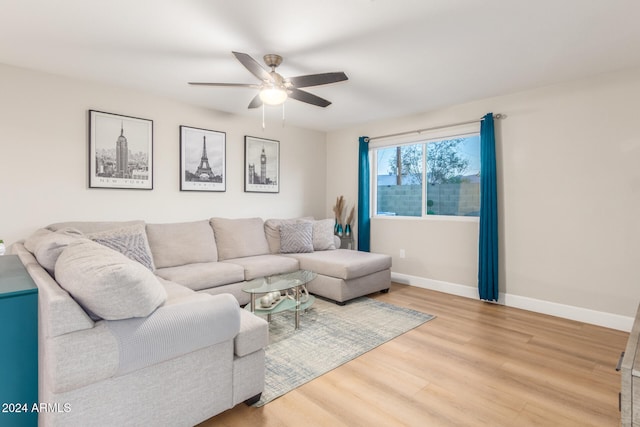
(274, 89)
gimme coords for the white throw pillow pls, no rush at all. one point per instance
(47, 245)
(323, 237)
(106, 283)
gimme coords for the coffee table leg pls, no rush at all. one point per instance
(297, 307)
(253, 303)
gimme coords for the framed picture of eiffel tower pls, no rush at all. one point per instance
(202, 159)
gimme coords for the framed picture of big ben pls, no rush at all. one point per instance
(261, 165)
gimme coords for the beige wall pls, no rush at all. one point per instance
(44, 152)
(569, 197)
(569, 181)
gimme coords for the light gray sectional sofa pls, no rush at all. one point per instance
(141, 324)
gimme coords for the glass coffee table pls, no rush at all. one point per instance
(288, 293)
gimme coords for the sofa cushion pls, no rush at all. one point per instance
(107, 283)
(296, 237)
(265, 265)
(174, 290)
(237, 238)
(343, 263)
(253, 335)
(181, 243)
(130, 241)
(47, 245)
(323, 237)
(272, 231)
(93, 226)
(203, 275)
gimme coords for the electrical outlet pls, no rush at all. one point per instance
(402, 254)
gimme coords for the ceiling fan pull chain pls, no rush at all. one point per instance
(263, 117)
(282, 115)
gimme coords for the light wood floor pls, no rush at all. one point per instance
(476, 364)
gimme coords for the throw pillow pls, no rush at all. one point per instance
(47, 245)
(296, 237)
(323, 235)
(32, 241)
(272, 231)
(107, 283)
(130, 241)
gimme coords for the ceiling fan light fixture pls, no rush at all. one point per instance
(275, 89)
(273, 95)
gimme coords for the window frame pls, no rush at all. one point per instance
(424, 137)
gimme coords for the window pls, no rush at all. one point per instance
(428, 177)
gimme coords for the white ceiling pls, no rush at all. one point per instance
(401, 56)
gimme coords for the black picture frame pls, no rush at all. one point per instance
(202, 159)
(261, 165)
(120, 151)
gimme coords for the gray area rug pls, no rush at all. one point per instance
(329, 336)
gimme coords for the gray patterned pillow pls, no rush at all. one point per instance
(129, 241)
(296, 238)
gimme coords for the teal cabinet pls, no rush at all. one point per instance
(18, 345)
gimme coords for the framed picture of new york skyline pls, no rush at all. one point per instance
(261, 165)
(120, 151)
(202, 160)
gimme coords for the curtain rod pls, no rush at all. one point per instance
(418, 131)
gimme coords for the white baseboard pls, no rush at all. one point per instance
(585, 315)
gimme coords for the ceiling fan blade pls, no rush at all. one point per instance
(253, 66)
(307, 97)
(256, 102)
(226, 84)
(318, 79)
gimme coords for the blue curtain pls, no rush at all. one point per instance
(488, 250)
(364, 219)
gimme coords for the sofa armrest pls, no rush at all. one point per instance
(58, 313)
(76, 359)
(116, 347)
(253, 335)
(179, 327)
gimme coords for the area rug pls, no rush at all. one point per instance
(329, 336)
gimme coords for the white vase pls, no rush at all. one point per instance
(2, 248)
